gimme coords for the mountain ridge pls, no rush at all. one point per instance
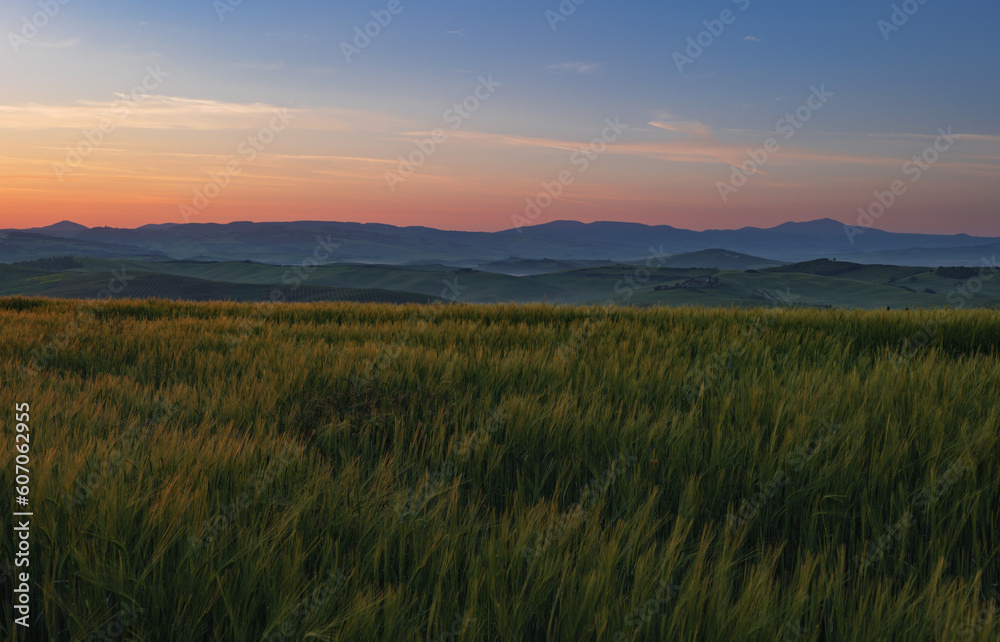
(290, 242)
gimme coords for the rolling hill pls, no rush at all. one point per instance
(816, 283)
(572, 243)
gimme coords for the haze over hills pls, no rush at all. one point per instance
(817, 283)
(560, 241)
(812, 264)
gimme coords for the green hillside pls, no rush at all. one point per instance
(125, 281)
(816, 283)
(721, 259)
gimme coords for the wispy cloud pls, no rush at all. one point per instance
(987, 138)
(672, 124)
(980, 137)
(699, 144)
(62, 44)
(575, 67)
(171, 112)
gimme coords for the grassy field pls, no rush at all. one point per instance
(345, 471)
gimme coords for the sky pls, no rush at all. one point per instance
(489, 115)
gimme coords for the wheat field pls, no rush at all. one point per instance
(342, 471)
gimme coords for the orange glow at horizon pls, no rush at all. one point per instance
(189, 161)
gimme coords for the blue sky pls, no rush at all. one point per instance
(938, 69)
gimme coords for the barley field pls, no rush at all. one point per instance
(348, 471)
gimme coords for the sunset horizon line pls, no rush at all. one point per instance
(825, 219)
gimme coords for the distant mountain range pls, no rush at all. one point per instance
(567, 242)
